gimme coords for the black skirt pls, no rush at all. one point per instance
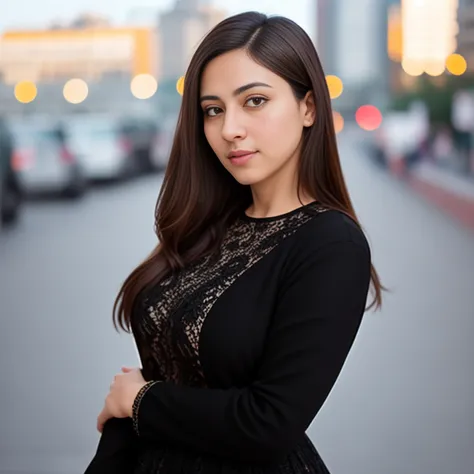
(120, 451)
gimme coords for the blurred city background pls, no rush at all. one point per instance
(89, 96)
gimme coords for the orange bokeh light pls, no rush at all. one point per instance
(338, 122)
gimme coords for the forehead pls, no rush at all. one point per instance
(234, 69)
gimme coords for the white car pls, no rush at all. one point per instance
(44, 161)
(102, 148)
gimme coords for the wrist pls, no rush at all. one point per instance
(133, 395)
(137, 402)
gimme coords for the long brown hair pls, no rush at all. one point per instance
(199, 198)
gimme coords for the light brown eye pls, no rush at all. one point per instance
(212, 111)
(257, 101)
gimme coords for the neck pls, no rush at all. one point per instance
(273, 202)
(278, 194)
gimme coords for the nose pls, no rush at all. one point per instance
(233, 127)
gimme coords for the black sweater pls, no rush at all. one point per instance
(245, 348)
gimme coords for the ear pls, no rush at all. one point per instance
(308, 109)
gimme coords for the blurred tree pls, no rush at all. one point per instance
(437, 93)
(90, 20)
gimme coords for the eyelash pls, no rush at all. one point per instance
(257, 97)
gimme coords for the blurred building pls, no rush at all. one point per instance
(397, 77)
(466, 32)
(90, 20)
(89, 53)
(326, 36)
(430, 30)
(352, 43)
(107, 58)
(423, 35)
(181, 29)
(116, 65)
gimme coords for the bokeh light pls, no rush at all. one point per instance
(412, 67)
(144, 86)
(335, 86)
(434, 68)
(395, 34)
(368, 117)
(180, 85)
(75, 91)
(456, 64)
(25, 92)
(338, 121)
(430, 30)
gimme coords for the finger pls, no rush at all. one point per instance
(103, 417)
(100, 424)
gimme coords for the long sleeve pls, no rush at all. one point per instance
(116, 450)
(318, 313)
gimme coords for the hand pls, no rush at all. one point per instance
(122, 394)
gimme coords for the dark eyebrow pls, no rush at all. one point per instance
(237, 91)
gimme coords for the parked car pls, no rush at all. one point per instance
(102, 147)
(162, 144)
(11, 195)
(141, 133)
(45, 161)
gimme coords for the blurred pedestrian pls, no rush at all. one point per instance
(247, 309)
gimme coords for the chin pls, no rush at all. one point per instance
(247, 179)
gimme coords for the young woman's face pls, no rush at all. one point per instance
(249, 109)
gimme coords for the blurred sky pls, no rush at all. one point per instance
(39, 13)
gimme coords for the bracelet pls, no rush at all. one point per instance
(137, 402)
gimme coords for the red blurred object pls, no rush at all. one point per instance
(368, 117)
(126, 144)
(23, 160)
(66, 156)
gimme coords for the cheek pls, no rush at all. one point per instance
(208, 134)
(214, 138)
(279, 131)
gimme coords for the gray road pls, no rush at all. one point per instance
(403, 405)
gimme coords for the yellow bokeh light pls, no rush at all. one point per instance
(144, 86)
(412, 68)
(395, 34)
(335, 86)
(430, 31)
(456, 64)
(25, 92)
(434, 68)
(75, 91)
(338, 121)
(180, 85)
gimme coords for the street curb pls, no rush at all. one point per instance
(460, 208)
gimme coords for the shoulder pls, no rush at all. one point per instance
(329, 233)
(329, 254)
(331, 227)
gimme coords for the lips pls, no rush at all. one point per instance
(241, 158)
(240, 153)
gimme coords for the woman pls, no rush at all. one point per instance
(245, 312)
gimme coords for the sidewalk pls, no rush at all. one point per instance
(452, 193)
